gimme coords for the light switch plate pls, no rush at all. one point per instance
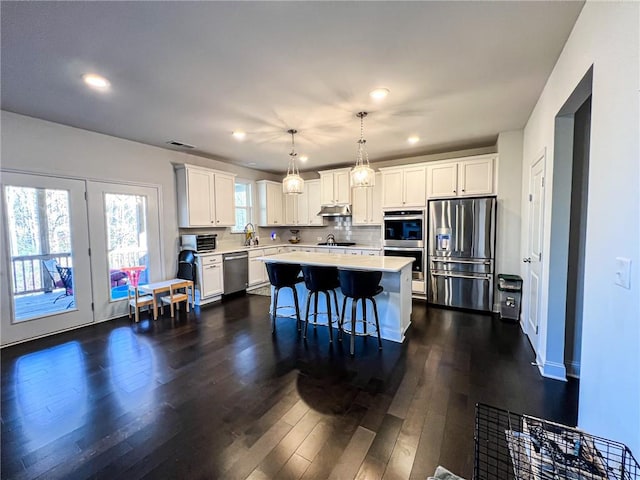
(623, 272)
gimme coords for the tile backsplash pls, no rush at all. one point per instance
(340, 227)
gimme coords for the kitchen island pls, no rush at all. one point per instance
(394, 303)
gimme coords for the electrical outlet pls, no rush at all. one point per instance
(319, 239)
(623, 272)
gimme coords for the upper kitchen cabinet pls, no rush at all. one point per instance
(205, 197)
(296, 209)
(335, 187)
(404, 187)
(312, 191)
(367, 204)
(463, 177)
(271, 212)
(302, 210)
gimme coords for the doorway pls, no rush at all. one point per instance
(560, 350)
(577, 238)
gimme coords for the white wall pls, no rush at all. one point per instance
(509, 192)
(606, 35)
(37, 146)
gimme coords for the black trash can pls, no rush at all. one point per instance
(509, 296)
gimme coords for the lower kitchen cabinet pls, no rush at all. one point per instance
(210, 276)
(257, 272)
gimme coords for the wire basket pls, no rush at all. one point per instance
(513, 446)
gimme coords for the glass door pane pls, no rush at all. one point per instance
(128, 252)
(45, 267)
(40, 249)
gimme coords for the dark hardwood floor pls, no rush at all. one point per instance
(214, 395)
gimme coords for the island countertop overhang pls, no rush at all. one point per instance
(351, 262)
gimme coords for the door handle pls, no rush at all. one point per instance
(454, 275)
(527, 260)
(235, 257)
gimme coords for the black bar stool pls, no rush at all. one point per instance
(284, 275)
(325, 280)
(359, 285)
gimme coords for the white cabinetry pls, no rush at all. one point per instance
(335, 187)
(257, 272)
(475, 177)
(302, 210)
(312, 190)
(225, 193)
(404, 187)
(296, 209)
(469, 176)
(210, 276)
(270, 196)
(367, 204)
(205, 197)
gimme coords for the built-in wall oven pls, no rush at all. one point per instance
(404, 237)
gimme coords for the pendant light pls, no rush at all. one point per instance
(362, 175)
(293, 184)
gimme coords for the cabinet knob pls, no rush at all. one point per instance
(454, 191)
(217, 221)
(463, 190)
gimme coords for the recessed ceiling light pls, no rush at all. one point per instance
(239, 135)
(379, 93)
(96, 81)
(413, 139)
(303, 158)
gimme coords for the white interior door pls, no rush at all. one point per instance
(125, 238)
(533, 258)
(45, 269)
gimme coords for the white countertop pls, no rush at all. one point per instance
(221, 250)
(352, 262)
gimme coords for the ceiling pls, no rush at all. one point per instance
(458, 72)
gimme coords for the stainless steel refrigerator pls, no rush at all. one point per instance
(461, 252)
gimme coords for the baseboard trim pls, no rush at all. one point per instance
(573, 369)
(556, 371)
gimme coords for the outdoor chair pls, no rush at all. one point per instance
(61, 277)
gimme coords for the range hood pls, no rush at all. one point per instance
(335, 211)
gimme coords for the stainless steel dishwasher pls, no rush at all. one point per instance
(236, 271)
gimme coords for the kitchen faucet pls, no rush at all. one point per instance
(249, 235)
(331, 240)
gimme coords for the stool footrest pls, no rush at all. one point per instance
(359, 334)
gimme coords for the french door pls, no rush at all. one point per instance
(45, 267)
(125, 243)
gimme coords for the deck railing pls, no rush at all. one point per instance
(30, 274)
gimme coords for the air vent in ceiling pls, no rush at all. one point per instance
(180, 144)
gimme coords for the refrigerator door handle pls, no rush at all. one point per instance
(457, 232)
(461, 222)
(453, 275)
(471, 262)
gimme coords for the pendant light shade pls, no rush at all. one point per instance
(362, 175)
(292, 184)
